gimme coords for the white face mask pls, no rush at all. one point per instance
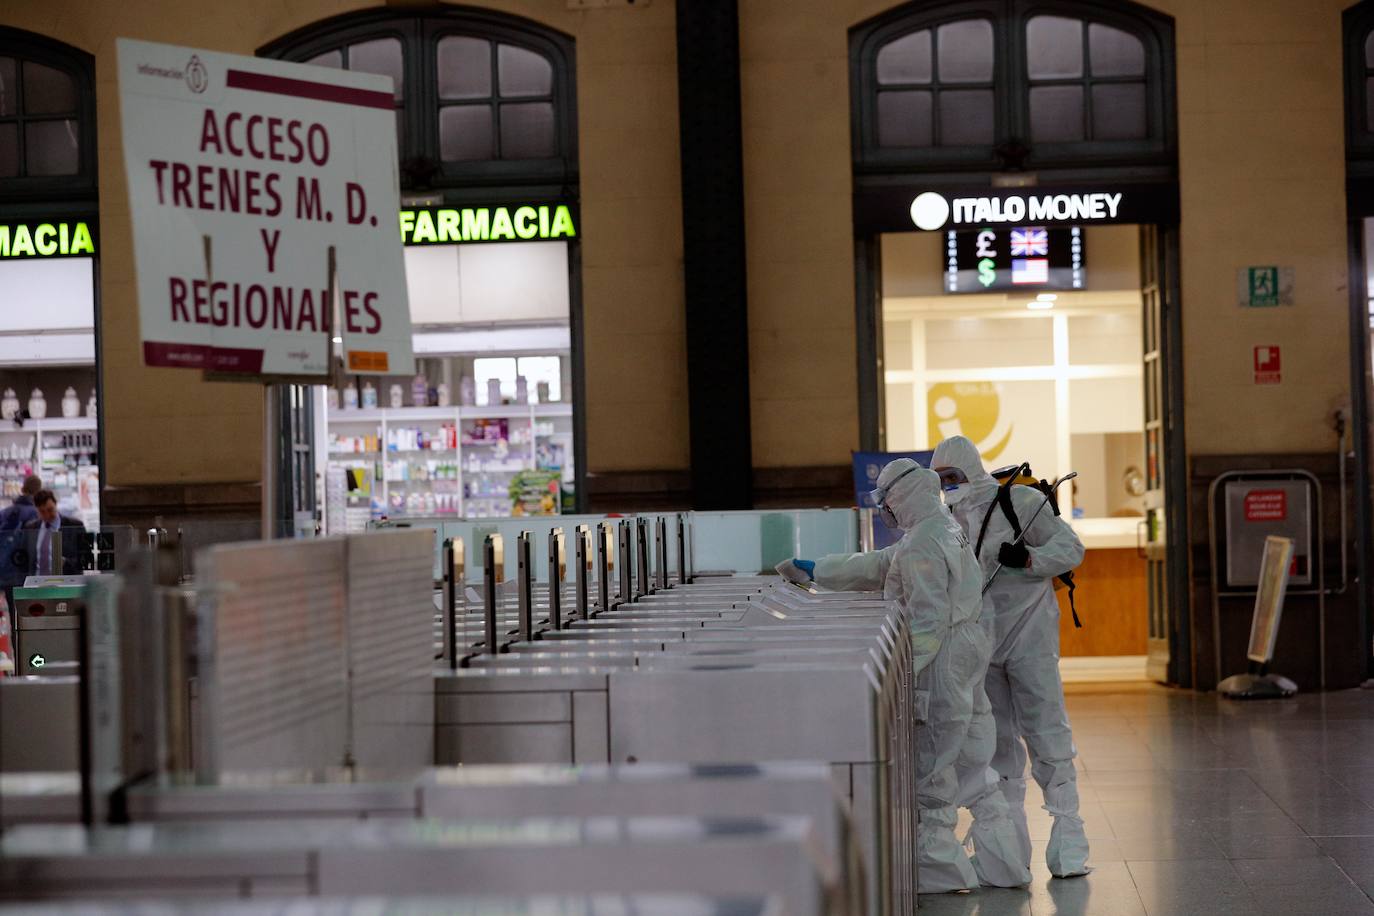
(955, 496)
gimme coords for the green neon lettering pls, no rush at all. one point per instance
(525, 225)
(450, 229)
(4, 241)
(43, 238)
(81, 241)
(407, 225)
(22, 243)
(476, 225)
(424, 228)
(543, 222)
(562, 223)
(501, 227)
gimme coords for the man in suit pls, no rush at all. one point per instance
(14, 562)
(49, 555)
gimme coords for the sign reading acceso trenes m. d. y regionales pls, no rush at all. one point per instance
(243, 175)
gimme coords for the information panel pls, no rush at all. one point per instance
(253, 184)
(1022, 258)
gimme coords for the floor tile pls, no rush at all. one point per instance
(1198, 806)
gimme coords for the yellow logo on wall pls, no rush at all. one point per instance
(972, 409)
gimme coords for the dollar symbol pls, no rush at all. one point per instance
(986, 274)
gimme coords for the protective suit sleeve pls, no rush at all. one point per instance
(1054, 548)
(855, 572)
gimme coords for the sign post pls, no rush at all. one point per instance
(264, 197)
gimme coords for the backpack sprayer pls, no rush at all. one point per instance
(1025, 529)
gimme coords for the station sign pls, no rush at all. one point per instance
(544, 221)
(924, 209)
(48, 239)
(263, 196)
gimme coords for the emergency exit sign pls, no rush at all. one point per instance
(1264, 287)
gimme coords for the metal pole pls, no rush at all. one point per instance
(524, 585)
(661, 545)
(583, 564)
(626, 564)
(681, 549)
(603, 562)
(642, 556)
(556, 579)
(491, 559)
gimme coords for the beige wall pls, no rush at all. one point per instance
(1262, 176)
(1261, 162)
(167, 426)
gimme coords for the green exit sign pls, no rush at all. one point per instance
(1264, 286)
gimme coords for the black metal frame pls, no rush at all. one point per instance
(489, 182)
(420, 32)
(1358, 24)
(1011, 148)
(50, 189)
(1150, 161)
(64, 196)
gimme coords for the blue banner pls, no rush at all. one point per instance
(867, 467)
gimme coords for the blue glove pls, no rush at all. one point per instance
(797, 571)
(806, 566)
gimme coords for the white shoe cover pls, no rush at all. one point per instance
(997, 856)
(942, 865)
(1014, 791)
(1067, 853)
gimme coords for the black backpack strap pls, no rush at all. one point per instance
(1004, 500)
(1067, 579)
(983, 531)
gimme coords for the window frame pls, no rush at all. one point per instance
(420, 31)
(1012, 85)
(1357, 27)
(49, 189)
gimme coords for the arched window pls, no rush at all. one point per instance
(1011, 84)
(480, 97)
(47, 119)
(1359, 85)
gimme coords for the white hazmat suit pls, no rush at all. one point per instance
(1023, 680)
(933, 573)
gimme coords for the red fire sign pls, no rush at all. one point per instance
(1266, 506)
(1267, 369)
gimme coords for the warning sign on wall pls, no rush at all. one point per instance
(1266, 506)
(1267, 365)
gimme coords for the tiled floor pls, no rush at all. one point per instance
(1198, 806)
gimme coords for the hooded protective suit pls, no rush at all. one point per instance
(1023, 679)
(932, 571)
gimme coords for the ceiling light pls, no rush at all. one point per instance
(338, 340)
(1039, 306)
(1047, 297)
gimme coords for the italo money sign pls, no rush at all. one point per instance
(264, 198)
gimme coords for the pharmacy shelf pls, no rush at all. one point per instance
(50, 425)
(402, 414)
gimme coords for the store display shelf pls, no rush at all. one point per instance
(553, 410)
(49, 425)
(355, 455)
(400, 414)
(357, 415)
(420, 451)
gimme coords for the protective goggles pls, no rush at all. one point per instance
(879, 496)
(951, 478)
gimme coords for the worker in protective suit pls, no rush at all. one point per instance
(1023, 680)
(933, 573)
